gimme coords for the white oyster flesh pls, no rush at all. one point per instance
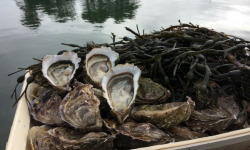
(98, 62)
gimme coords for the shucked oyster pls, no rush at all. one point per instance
(120, 86)
(98, 62)
(134, 135)
(40, 139)
(45, 108)
(34, 91)
(164, 115)
(80, 108)
(150, 92)
(70, 139)
(60, 69)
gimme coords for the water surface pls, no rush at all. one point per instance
(34, 28)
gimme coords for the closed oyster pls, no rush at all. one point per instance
(150, 92)
(120, 86)
(80, 108)
(98, 62)
(60, 69)
(40, 139)
(45, 108)
(70, 139)
(135, 135)
(164, 115)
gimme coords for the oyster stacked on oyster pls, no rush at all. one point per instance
(34, 91)
(98, 62)
(120, 87)
(80, 108)
(60, 69)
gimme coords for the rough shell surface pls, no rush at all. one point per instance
(60, 69)
(98, 62)
(120, 87)
(80, 108)
(164, 115)
(71, 139)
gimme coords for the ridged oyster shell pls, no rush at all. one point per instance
(60, 69)
(120, 87)
(80, 108)
(98, 62)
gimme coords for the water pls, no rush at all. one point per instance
(33, 28)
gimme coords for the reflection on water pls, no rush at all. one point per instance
(94, 11)
(34, 10)
(98, 11)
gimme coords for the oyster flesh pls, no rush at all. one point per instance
(60, 69)
(120, 87)
(39, 138)
(80, 108)
(150, 92)
(71, 139)
(45, 108)
(164, 115)
(98, 62)
(135, 135)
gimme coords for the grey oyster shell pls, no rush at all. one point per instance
(34, 91)
(150, 92)
(164, 115)
(45, 108)
(80, 108)
(135, 135)
(39, 138)
(71, 139)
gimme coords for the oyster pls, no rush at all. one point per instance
(34, 91)
(164, 115)
(150, 92)
(134, 135)
(60, 69)
(120, 86)
(45, 108)
(80, 108)
(98, 62)
(70, 139)
(39, 138)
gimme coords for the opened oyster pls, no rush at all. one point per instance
(164, 115)
(40, 139)
(98, 62)
(45, 108)
(134, 135)
(34, 91)
(70, 139)
(80, 108)
(120, 86)
(150, 92)
(60, 69)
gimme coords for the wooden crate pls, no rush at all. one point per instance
(235, 140)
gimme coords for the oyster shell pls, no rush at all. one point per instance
(150, 92)
(135, 135)
(60, 69)
(120, 87)
(68, 139)
(39, 138)
(80, 108)
(34, 91)
(98, 62)
(45, 108)
(164, 115)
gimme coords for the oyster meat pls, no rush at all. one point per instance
(135, 135)
(71, 139)
(45, 108)
(164, 115)
(150, 92)
(39, 138)
(80, 108)
(60, 69)
(120, 87)
(98, 62)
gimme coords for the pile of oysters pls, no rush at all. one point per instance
(113, 108)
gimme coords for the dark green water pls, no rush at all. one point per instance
(34, 28)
